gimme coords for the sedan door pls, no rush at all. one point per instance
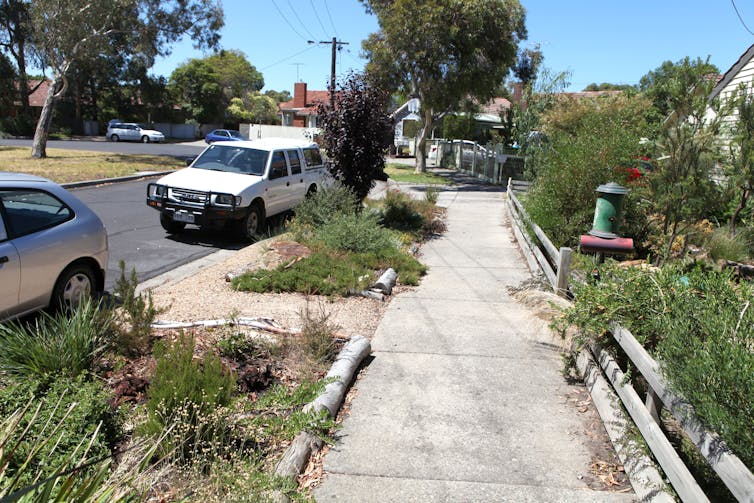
(36, 222)
(10, 273)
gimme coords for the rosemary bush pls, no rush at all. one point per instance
(698, 323)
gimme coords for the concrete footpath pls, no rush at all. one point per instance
(463, 400)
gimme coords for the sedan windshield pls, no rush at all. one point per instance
(231, 159)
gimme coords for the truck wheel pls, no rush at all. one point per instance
(170, 225)
(312, 190)
(251, 224)
(114, 138)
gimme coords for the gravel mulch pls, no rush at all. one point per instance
(208, 295)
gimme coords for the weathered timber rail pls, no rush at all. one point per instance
(644, 413)
(557, 269)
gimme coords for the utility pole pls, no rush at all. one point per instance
(335, 46)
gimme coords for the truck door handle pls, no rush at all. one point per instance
(4, 259)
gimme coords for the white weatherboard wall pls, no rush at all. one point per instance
(742, 72)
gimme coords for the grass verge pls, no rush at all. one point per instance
(65, 166)
(404, 173)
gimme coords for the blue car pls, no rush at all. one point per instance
(224, 135)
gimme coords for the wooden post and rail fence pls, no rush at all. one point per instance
(645, 413)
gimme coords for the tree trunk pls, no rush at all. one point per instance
(39, 145)
(23, 83)
(421, 144)
(741, 205)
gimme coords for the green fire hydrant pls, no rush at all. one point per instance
(607, 214)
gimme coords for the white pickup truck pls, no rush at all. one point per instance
(238, 184)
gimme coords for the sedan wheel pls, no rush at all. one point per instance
(145, 139)
(74, 285)
(114, 137)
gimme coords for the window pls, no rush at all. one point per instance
(294, 161)
(313, 157)
(3, 234)
(278, 168)
(29, 210)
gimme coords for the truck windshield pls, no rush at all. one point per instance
(244, 160)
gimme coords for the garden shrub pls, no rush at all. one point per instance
(588, 143)
(322, 273)
(707, 353)
(720, 246)
(187, 400)
(132, 334)
(321, 207)
(65, 426)
(400, 212)
(698, 323)
(65, 343)
(357, 232)
(318, 334)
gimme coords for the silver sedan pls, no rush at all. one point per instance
(53, 248)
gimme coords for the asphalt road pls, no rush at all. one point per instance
(136, 237)
(177, 150)
(133, 229)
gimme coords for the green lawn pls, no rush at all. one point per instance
(403, 173)
(65, 166)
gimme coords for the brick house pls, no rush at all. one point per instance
(301, 111)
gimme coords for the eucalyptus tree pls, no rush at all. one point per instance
(443, 52)
(66, 34)
(14, 38)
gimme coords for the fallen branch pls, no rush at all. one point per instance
(342, 373)
(265, 324)
(386, 282)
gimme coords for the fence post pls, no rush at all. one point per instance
(459, 156)
(564, 270)
(473, 161)
(654, 405)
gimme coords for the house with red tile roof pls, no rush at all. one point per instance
(301, 111)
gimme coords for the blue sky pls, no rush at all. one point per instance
(596, 41)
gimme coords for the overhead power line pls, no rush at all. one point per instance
(316, 14)
(330, 18)
(306, 29)
(287, 22)
(740, 18)
(309, 48)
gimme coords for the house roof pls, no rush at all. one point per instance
(37, 98)
(313, 99)
(732, 72)
(495, 105)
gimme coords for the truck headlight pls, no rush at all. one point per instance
(227, 200)
(157, 190)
